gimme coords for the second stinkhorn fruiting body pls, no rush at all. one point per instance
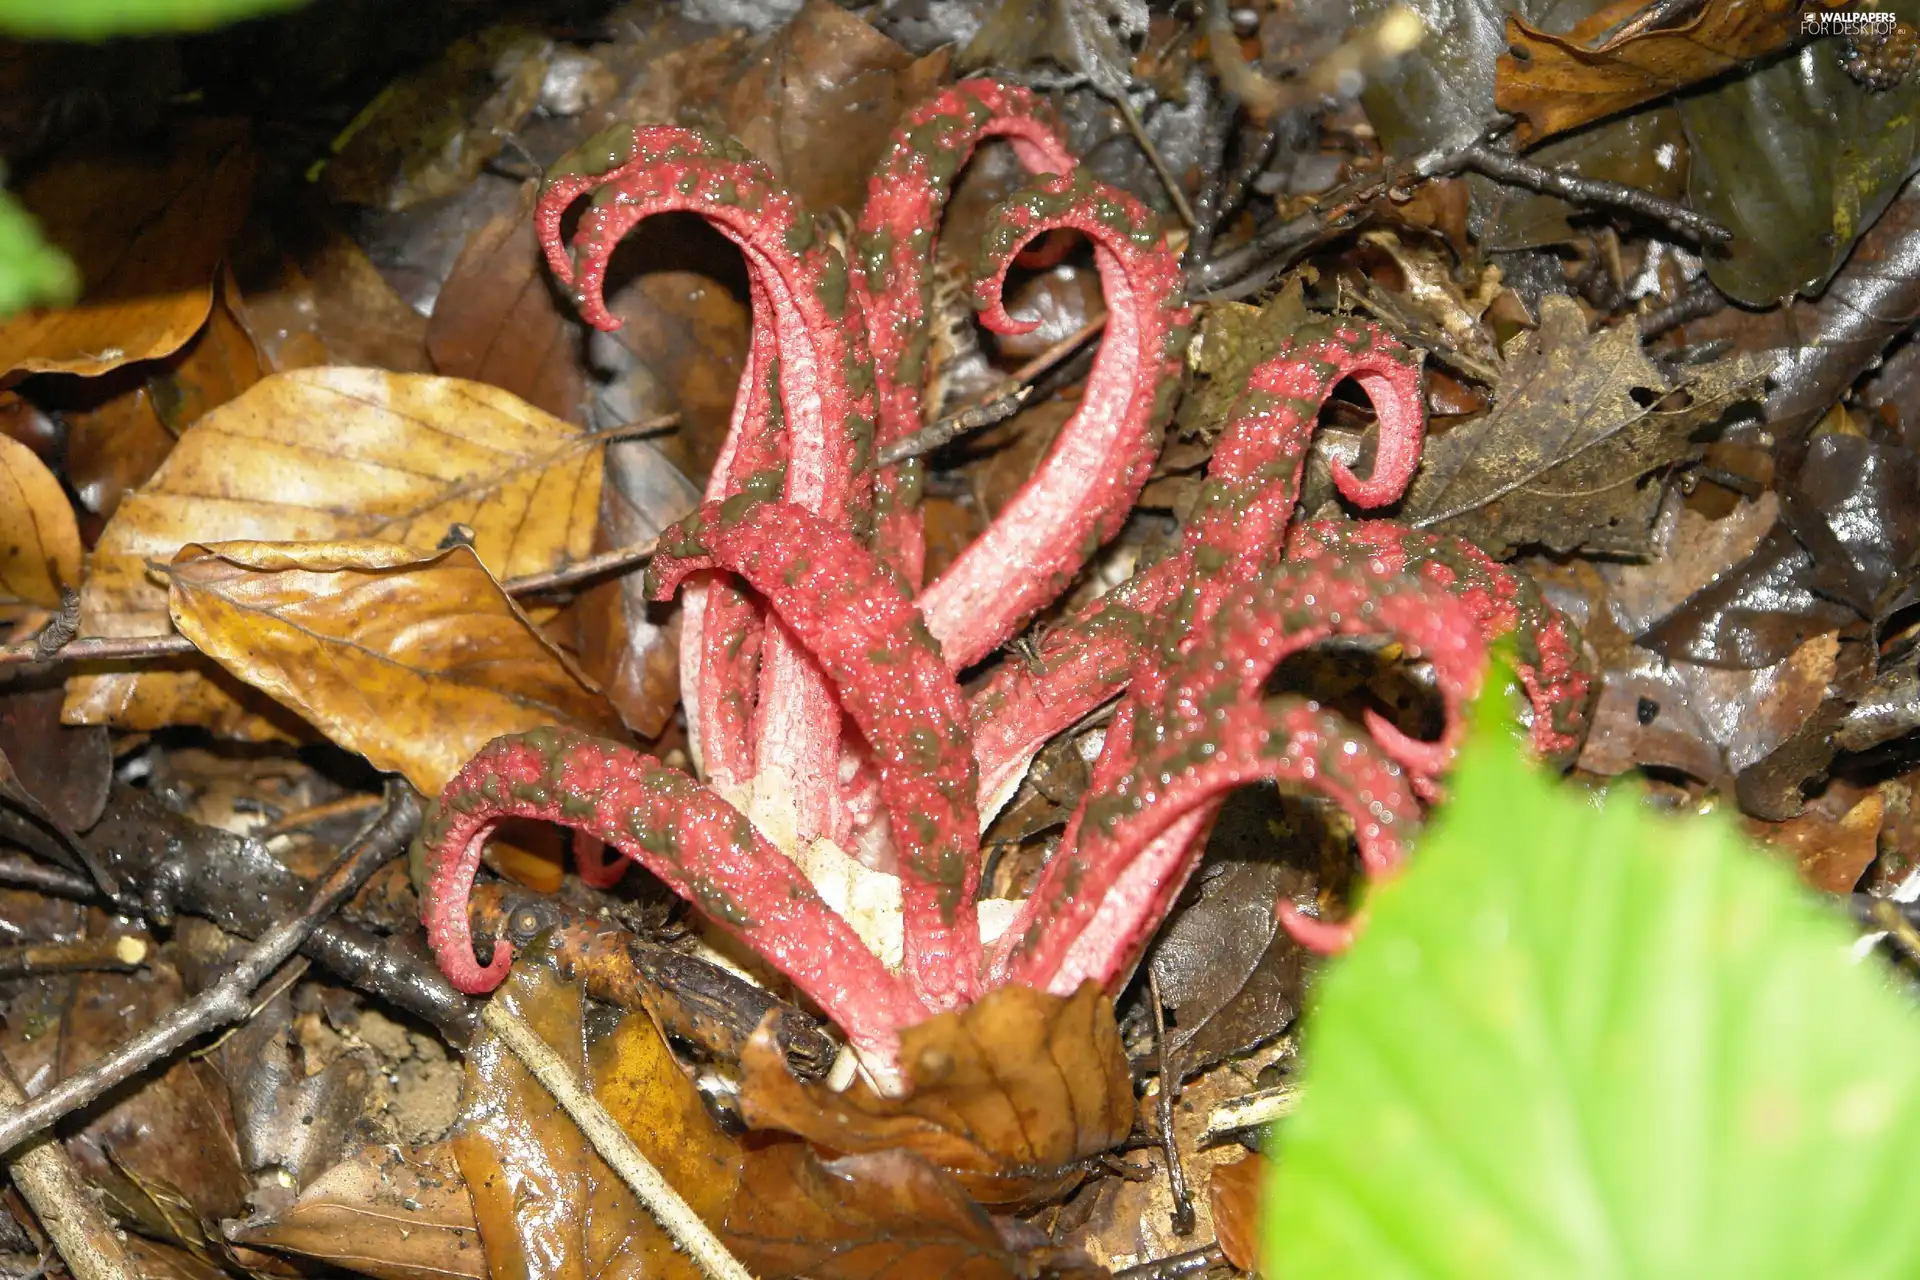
(801, 580)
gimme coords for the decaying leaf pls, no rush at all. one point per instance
(39, 538)
(1009, 1095)
(388, 1212)
(497, 319)
(819, 102)
(325, 455)
(888, 1214)
(1236, 1190)
(1833, 840)
(1559, 82)
(630, 645)
(1087, 40)
(546, 1203)
(147, 232)
(64, 769)
(1576, 428)
(320, 300)
(432, 131)
(414, 663)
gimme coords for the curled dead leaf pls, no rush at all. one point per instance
(1559, 82)
(389, 1212)
(414, 663)
(322, 455)
(39, 538)
(1235, 1191)
(885, 1214)
(147, 232)
(1010, 1095)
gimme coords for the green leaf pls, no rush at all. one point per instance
(98, 19)
(32, 272)
(1596, 1041)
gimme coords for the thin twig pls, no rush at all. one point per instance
(985, 413)
(1169, 1086)
(1504, 167)
(1700, 298)
(1178, 1266)
(23, 872)
(230, 999)
(63, 1202)
(123, 954)
(1179, 197)
(615, 1147)
(122, 648)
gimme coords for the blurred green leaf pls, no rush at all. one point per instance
(1580, 1041)
(99, 19)
(32, 272)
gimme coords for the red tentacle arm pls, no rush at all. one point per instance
(855, 616)
(1554, 668)
(893, 267)
(1082, 492)
(694, 841)
(805, 320)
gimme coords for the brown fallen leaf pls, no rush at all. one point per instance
(882, 1216)
(1563, 458)
(64, 769)
(323, 455)
(681, 348)
(627, 643)
(388, 1212)
(137, 412)
(822, 98)
(39, 537)
(1559, 82)
(1235, 1190)
(1834, 838)
(1010, 1095)
(414, 663)
(147, 231)
(497, 319)
(318, 299)
(163, 1150)
(546, 1203)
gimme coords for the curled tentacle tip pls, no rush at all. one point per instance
(1423, 760)
(590, 858)
(467, 975)
(1322, 937)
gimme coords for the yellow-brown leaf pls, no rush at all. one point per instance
(1561, 82)
(415, 664)
(322, 455)
(547, 1205)
(1009, 1095)
(39, 539)
(147, 232)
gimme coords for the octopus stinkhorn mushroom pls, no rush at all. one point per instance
(820, 672)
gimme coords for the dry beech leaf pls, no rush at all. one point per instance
(39, 538)
(136, 414)
(1235, 1191)
(385, 1211)
(1560, 82)
(1563, 457)
(821, 100)
(414, 663)
(1009, 1095)
(546, 1203)
(884, 1216)
(147, 232)
(324, 455)
(319, 300)
(497, 321)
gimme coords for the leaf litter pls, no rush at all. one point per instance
(322, 440)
